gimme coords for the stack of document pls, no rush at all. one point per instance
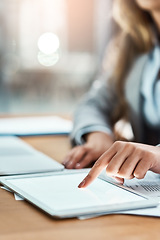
(59, 196)
(46, 184)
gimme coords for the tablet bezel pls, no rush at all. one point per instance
(103, 209)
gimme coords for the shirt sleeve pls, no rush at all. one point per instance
(94, 111)
(79, 137)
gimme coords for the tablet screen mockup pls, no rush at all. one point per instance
(58, 194)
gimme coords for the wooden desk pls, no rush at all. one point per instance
(21, 221)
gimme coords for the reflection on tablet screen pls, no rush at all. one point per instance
(61, 192)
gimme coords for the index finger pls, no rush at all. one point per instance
(99, 165)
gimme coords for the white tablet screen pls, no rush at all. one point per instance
(61, 192)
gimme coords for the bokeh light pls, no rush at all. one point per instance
(48, 43)
(48, 60)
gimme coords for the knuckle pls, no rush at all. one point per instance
(75, 159)
(127, 147)
(70, 154)
(110, 170)
(98, 163)
(137, 152)
(81, 148)
(89, 177)
(84, 148)
(130, 146)
(118, 144)
(123, 145)
(149, 155)
(82, 151)
(76, 148)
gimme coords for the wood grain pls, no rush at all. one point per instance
(21, 220)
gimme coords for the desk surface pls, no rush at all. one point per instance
(20, 220)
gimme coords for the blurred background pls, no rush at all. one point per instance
(50, 52)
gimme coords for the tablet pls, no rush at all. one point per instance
(58, 194)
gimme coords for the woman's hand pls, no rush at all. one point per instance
(125, 160)
(85, 155)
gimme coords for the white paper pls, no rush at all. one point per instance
(149, 186)
(17, 198)
(7, 189)
(34, 126)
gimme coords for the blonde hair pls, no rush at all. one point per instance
(133, 37)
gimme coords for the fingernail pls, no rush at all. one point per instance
(65, 161)
(78, 165)
(69, 163)
(121, 181)
(81, 184)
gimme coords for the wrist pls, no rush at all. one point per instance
(98, 138)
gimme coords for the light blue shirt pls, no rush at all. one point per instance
(150, 90)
